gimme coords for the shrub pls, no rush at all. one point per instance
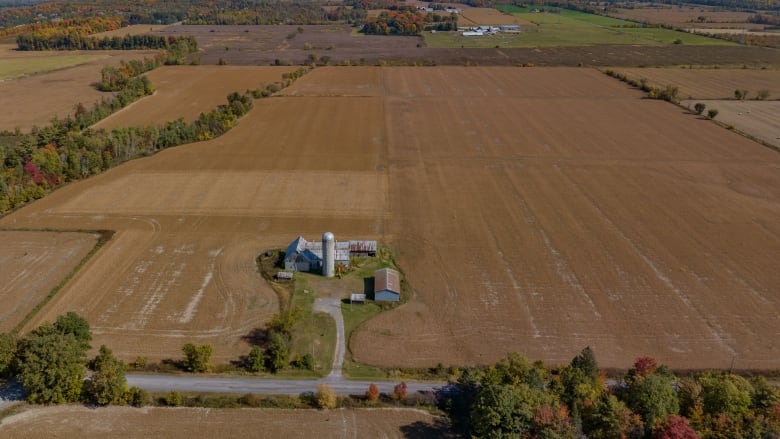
(712, 113)
(325, 396)
(699, 107)
(372, 394)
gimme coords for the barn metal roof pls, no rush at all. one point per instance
(387, 279)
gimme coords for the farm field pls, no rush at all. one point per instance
(537, 210)
(687, 16)
(487, 17)
(569, 28)
(186, 91)
(757, 118)
(35, 262)
(79, 422)
(58, 90)
(700, 83)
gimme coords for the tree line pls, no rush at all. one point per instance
(518, 398)
(79, 39)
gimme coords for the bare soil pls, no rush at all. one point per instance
(35, 100)
(33, 263)
(79, 422)
(537, 210)
(688, 16)
(700, 83)
(265, 45)
(186, 91)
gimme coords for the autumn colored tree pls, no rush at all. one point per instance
(197, 358)
(325, 396)
(372, 394)
(399, 391)
(674, 427)
(108, 384)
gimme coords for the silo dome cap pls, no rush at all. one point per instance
(328, 236)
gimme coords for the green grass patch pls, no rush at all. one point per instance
(314, 334)
(571, 28)
(16, 67)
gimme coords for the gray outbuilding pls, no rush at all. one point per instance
(387, 285)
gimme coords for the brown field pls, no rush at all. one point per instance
(756, 118)
(54, 93)
(533, 210)
(688, 16)
(266, 45)
(79, 422)
(35, 262)
(487, 17)
(710, 83)
(186, 91)
(136, 29)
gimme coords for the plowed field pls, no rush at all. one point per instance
(532, 210)
(126, 422)
(186, 91)
(688, 16)
(760, 119)
(711, 83)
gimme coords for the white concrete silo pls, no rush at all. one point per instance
(328, 254)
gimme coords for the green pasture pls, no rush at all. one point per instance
(570, 28)
(16, 67)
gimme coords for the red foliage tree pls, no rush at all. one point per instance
(645, 366)
(674, 427)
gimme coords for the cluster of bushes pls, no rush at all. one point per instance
(272, 351)
(51, 365)
(405, 21)
(517, 398)
(669, 93)
(68, 150)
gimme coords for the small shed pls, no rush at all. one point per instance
(356, 298)
(387, 285)
(284, 275)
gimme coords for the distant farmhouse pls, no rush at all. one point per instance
(387, 285)
(303, 255)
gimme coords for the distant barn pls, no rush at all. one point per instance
(387, 285)
(303, 255)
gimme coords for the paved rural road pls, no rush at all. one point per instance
(164, 383)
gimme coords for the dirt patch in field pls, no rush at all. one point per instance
(33, 263)
(487, 17)
(186, 91)
(125, 422)
(711, 83)
(35, 100)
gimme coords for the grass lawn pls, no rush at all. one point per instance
(570, 28)
(16, 67)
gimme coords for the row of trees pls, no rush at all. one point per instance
(80, 39)
(408, 21)
(517, 398)
(51, 364)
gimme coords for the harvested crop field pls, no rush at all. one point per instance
(532, 209)
(36, 99)
(487, 17)
(688, 16)
(757, 118)
(710, 83)
(79, 422)
(186, 91)
(34, 263)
